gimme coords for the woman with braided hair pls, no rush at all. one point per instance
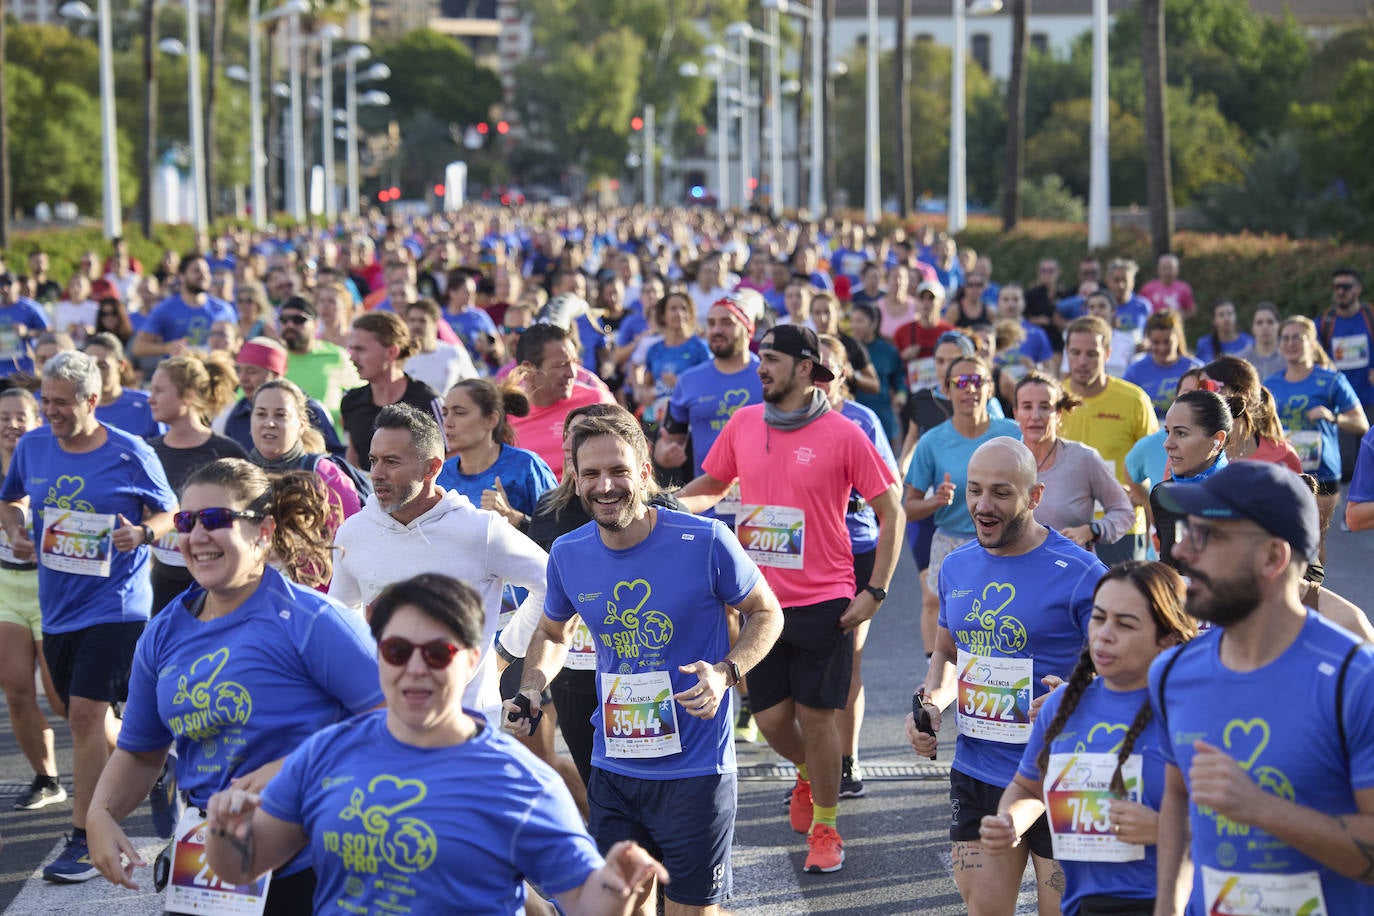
(1094, 761)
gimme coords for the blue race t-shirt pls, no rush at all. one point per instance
(1147, 458)
(1207, 348)
(887, 363)
(1160, 383)
(1315, 441)
(1291, 750)
(132, 413)
(1132, 314)
(863, 525)
(944, 450)
(400, 829)
(242, 690)
(706, 398)
(175, 319)
(1096, 727)
(76, 501)
(470, 324)
(651, 608)
(1349, 345)
(1036, 347)
(20, 324)
(663, 359)
(1362, 482)
(524, 476)
(1014, 620)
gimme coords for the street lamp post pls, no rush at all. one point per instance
(815, 185)
(720, 57)
(873, 201)
(745, 33)
(258, 156)
(329, 33)
(1099, 190)
(957, 204)
(741, 32)
(78, 11)
(297, 119)
(378, 71)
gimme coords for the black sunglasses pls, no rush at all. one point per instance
(437, 653)
(295, 318)
(211, 519)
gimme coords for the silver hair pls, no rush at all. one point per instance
(78, 368)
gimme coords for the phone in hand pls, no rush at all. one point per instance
(922, 717)
(523, 702)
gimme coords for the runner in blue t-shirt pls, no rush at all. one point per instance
(1094, 761)
(1347, 334)
(422, 806)
(226, 677)
(1157, 373)
(99, 498)
(183, 320)
(21, 320)
(1278, 796)
(1014, 608)
(656, 587)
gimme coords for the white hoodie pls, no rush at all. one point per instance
(457, 539)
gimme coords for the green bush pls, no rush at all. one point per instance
(65, 246)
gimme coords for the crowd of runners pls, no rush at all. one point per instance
(317, 539)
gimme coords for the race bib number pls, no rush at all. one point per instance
(730, 504)
(994, 698)
(77, 542)
(1350, 352)
(193, 888)
(1078, 799)
(11, 343)
(581, 651)
(772, 535)
(1308, 444)
(1231, 893)
(638, 715)
(920, 373)
(165, 549)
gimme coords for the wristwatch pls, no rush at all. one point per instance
(148, 536)
(1096, 529)
(879, 594)
(732, 670)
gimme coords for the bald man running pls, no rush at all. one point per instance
(1014, 607)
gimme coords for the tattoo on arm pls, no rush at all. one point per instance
(1366, 849)
(1056, 879)
(245, 848)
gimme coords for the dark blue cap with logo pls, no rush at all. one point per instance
(1269, 495)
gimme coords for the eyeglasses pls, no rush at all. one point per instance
(1343, 287)
(295, 318)
(1292, 338)
(964, 382)
(507, 329)
(437, 653)
(211, 519)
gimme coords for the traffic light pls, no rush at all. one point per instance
(502, 127)
(636, 123)
(482, 128)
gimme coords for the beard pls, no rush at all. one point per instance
(626, 511)
(1226, 602)
(1012, 530)
(394, 498)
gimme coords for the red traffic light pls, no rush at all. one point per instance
(438, 190)
(636, 123)
(502, 127)
(482, 128)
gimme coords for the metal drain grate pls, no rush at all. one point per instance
(9, 789)
(783, 772)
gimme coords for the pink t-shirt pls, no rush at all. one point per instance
(1176, 296)
(541, 431)
(808, 471)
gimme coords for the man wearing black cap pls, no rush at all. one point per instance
(796, 462)
(1268, 717)
(321, 369)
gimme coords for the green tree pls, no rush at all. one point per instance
(435, 73)
(595, 64)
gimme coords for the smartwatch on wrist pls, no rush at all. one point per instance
(732, 671)
(879, 594)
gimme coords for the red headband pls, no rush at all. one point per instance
(273, 359)
(734, 308)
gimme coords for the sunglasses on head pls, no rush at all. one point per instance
(211, 519)
(437, 653)
(963, 382)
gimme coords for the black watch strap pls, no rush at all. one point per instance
(733, 670)
(879, 593)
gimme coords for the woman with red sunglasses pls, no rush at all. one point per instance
(423, 801)
(239, 669)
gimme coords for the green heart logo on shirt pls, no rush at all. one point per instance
(1239, 735)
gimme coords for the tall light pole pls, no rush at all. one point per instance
(197, 115)
(378, 71)
(1099, 187)
(873, 201)
(745, 33)
(741, 32)
(296, 160)
(816, 178)
(258, 155)
(78, 11)
(958, 175)
(719, 58)
(329, 33)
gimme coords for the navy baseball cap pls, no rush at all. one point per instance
(798, 342)
(1269, 495)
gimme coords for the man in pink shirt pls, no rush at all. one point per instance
(547, 360)
(1167, 291)
(797, 463)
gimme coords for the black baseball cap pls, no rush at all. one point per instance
(1269, 495)
(299, 304)
(798, 342)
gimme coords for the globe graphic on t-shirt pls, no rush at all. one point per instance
(1274, 782)
(1011, 634)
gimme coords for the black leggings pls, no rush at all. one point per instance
(574, 693)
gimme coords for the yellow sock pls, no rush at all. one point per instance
(823, 815)
(801, 773)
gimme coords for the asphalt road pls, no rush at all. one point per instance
(895, 838)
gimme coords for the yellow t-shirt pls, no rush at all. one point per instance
(1113, 422)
